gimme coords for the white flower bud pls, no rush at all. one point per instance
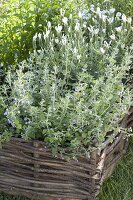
(75, 50)
(47, 33)
(44, 36)
(118, 14)
(70, 16)
(96, 31)
(102, 50)
(49, 25)
(78, 57)
(112, 36)
(112, 10)
(84, 24)
(122, 46)
(118, 29)
(39, 35)
(92, 7)
(69, 29)
(98, 11)
(65, 20)
(80, 14)
(58, 28)
(56, 40)
(110, 20)
(106, 44)
(129, 20)
(61, 12)
(35, 37)
(77, 26)
(90, 29)
(124, 18)
(104, 17)
(64, 39)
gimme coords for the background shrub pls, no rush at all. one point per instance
(20, 20)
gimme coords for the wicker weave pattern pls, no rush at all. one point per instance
(129, 118)
(28, 169)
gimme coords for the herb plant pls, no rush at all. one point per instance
(70, 91)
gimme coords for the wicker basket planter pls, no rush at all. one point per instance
(28, 169)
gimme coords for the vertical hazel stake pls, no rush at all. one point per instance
(36, 166)
(93, 157)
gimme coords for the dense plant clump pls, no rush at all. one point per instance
(70, 91)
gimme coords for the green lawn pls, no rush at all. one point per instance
(120, 185)
(117, 187)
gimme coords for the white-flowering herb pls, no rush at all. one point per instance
(70, 92)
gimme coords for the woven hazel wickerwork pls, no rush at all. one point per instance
(129, 118)
(28, 169)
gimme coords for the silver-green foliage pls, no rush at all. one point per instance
(70, 92)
